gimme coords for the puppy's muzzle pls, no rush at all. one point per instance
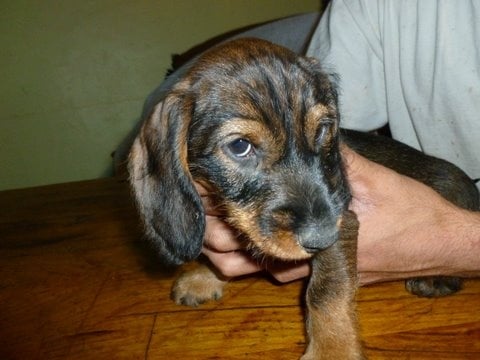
(309, 213)
(313, 231)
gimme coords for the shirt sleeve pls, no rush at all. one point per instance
(348, 43)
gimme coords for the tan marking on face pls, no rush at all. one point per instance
(282, 244)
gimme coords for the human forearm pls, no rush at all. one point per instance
(461, 235)
(407, 229)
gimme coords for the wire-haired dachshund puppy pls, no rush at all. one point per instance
(258, 126)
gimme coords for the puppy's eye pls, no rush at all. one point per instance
(241, 148)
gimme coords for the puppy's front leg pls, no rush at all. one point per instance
(331, 312)
(198, 285)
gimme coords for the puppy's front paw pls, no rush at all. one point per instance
(197, 286)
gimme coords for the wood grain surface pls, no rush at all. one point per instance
(76, 282)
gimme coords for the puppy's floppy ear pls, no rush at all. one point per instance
(169, 205)
(326, 79)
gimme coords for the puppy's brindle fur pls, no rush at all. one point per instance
(257, 125)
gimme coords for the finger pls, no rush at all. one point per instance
(290, 272)
(232, 264)
(219, 236)
(346, 153)
(355, 165)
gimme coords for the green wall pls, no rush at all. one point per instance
(74, 74)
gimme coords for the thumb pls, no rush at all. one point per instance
(358, 168)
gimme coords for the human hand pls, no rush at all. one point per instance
(402, 232)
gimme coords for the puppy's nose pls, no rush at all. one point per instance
(313, 231)
(317, 236)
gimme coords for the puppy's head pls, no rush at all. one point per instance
(257, 125)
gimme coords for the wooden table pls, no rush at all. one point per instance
(76, 283)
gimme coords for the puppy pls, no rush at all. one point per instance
(258, 126)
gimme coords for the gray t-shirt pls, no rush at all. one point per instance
(414, 64)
